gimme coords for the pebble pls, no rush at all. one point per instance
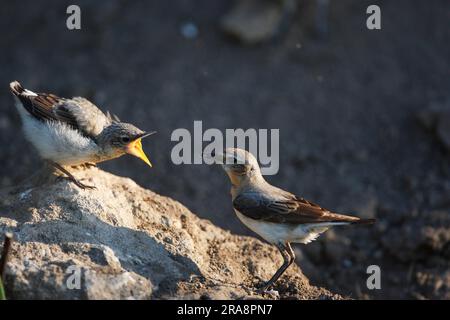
(189, 30)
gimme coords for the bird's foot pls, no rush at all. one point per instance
(70, 176)
(83, 186)
(264, 288)
(266, 291)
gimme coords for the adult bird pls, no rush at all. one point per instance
(278, 216)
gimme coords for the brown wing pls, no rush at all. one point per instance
(40, 105)
(288, 209)
(78, 113)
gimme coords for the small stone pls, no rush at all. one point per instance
(168, 240)
(255, 21)
(189, 30)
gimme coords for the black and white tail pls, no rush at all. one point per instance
(19, 91)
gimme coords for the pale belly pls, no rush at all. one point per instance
(58, 142)
(280, 233)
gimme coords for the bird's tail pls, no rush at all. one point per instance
(18, 90)
(364, 221)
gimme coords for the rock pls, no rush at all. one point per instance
(121, 241)
(255, 21)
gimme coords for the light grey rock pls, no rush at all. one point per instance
(126, 242)
(255, 21)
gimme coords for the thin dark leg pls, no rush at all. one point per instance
(286, 252)
(290, 252)
(70, 176)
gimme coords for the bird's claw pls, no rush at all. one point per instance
(267, 292)
(263, 289)
(84, 186)
(77, 183)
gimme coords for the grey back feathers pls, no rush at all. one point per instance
(83, 115)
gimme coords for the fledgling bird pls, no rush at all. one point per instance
(279, 217)
(71, 132)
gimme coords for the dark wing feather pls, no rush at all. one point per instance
(41, 105)
(78, 113)
(288, 209)
(82, 114)
(63, 114)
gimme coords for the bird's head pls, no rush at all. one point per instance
(241, 166)
(120, 138)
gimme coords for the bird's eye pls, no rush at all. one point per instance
(125, 139)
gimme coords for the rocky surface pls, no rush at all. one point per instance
(346, 106)
(129, 243)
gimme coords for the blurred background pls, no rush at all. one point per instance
(364, 115)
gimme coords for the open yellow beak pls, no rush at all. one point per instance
(135, 148)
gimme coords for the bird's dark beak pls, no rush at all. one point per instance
(135, 147)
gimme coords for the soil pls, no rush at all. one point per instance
(347, 106)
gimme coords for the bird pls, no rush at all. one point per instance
(73, 132)
(276, 215)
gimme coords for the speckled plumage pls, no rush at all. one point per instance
(71, 132)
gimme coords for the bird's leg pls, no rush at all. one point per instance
(290, 252)
(287, 253)
(70, 176)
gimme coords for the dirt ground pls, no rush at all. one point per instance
(347, 107)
